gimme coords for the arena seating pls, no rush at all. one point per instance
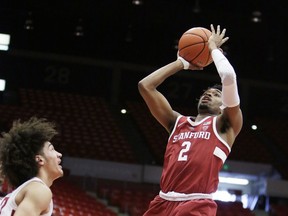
(276, 129)
(131, 198)
(278, 210)
(86, 124)
(248, 147)
(134, 198)
(232, 209)
(153, 133)
(70, 200)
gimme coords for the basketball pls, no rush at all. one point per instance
(193, 46)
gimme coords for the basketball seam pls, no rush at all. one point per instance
(189, 33)
(205, 34)
(194, 43)
(200, 52)
(208, 57)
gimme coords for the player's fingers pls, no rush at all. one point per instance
(223, 41)
(212, 28)
(223, 32)
(218, 29)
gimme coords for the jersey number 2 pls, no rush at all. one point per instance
(182, 155)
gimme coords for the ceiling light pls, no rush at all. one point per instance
(196, 8)
(123, 111)
(29, 23)
(4, 41)
(254, 127)
(236, 181)
(79, 29)
(256, 17)
(2, 84)
(137, 2)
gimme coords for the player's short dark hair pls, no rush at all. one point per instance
(216, 86)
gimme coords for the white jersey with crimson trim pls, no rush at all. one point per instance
(8, 205)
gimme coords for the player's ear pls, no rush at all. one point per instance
(39, 159)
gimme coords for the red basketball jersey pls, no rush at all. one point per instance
(194, 155)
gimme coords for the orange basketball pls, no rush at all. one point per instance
(193, 46)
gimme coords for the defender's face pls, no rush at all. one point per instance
(52, 160)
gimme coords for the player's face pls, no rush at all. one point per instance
(210, 101)
(52, 159)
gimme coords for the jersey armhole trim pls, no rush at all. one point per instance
(175, 125)
(218, 136)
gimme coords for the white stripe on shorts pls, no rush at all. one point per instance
(174, 196)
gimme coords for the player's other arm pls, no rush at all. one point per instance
(156, 102)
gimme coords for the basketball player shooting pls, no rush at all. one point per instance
(198, 146)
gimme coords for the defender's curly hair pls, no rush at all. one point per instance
(20, 145)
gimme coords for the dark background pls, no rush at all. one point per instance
(123, 42)
(257, 50)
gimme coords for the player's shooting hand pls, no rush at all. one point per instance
(187, 65)
(217, 38)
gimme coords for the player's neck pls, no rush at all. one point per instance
(45, 178)
(200, 117)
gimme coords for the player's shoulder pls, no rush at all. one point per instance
(38, 184)
(36, 192)
(38, 189)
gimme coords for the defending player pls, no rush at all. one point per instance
(30, 163)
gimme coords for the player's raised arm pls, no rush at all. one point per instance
(231, 115)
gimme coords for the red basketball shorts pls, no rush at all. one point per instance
(197, 207)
